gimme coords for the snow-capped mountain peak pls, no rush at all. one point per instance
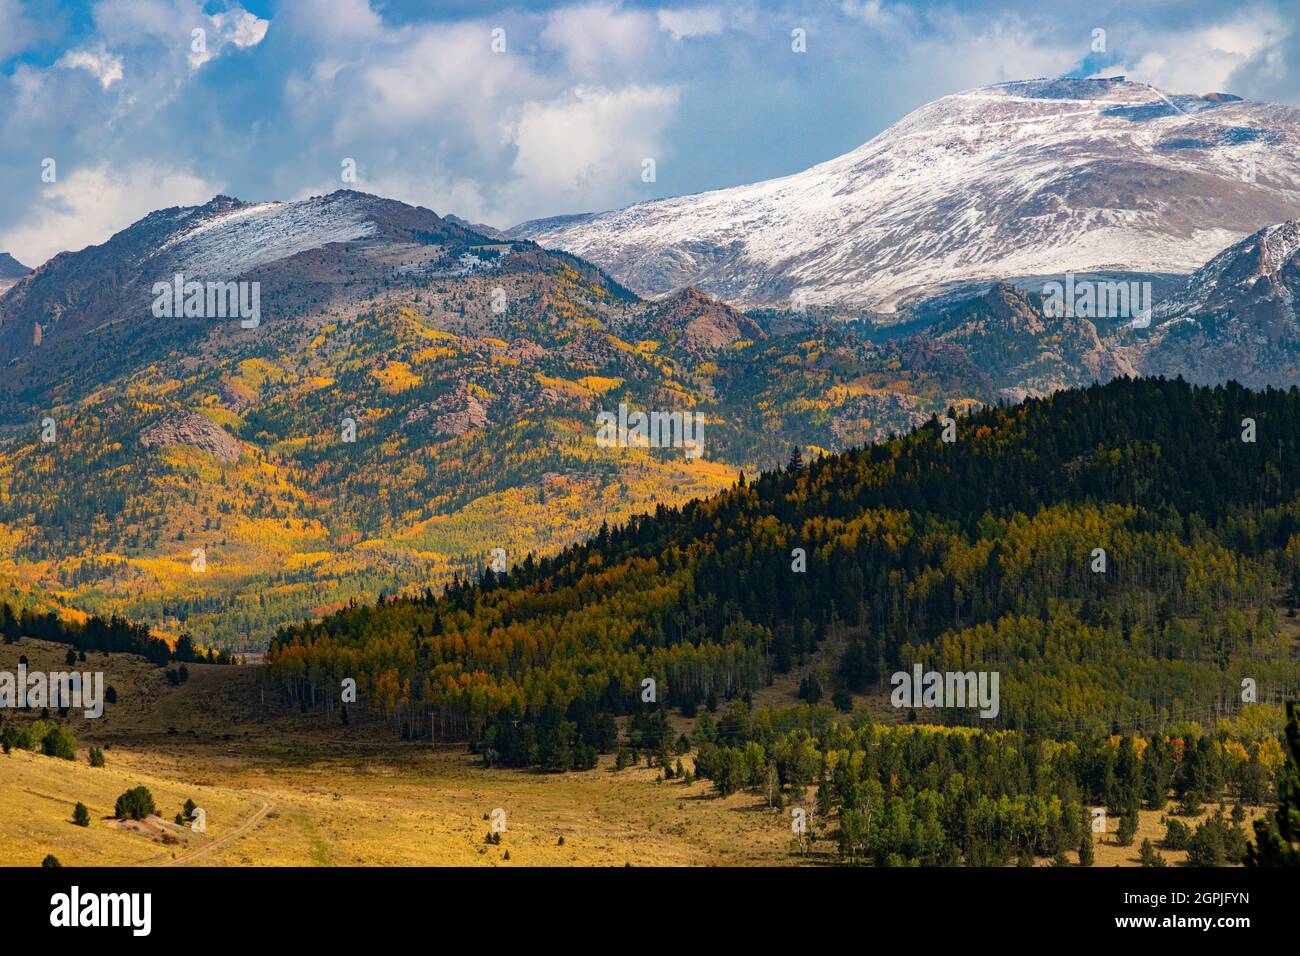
(285, 244)
(1023, 179)
(226, 237)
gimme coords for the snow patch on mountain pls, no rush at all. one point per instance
(1259, 271)
(227, 238)
(1031, 178)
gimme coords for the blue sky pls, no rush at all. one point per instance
(281, 92)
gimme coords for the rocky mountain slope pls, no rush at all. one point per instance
(1016, 180)
(1235, 318)
(1022, 348)
(11, 270)
(418, 395)
(415, 396)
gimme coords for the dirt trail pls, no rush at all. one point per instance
(234, 834)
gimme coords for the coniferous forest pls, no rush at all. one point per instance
(1124, 557)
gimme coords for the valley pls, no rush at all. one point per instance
(601, 540)
(280, 789)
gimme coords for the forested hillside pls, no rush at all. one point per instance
(413, 402)
(1124, 557)
(973, 554)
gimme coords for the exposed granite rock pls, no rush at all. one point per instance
(451, 415)
(190, 428)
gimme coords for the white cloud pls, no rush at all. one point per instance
(683, 24)
(235, 27)
(967, 53)
(599, 37)
(96, 61)
(241, 28)
(132, 24)
(17, 30)
(434, 117)
(330, 23)
(89, 205)
(898, 19)
(1204, 60)
(585, 149)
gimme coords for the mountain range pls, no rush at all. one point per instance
(1016, 181)
(414, 397)
(419, 393)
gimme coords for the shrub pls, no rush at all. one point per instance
(1177, 835)
(1148, 855)
(59, 743)
(136, 803)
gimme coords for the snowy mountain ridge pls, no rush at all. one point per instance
(235, 237)
(1023, 179)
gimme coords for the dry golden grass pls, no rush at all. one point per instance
(412, 805)
(1107, 850)
(284, 788)
(341, 795)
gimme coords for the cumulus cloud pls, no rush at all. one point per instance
(176, 28)
(17, 29)
(590, 146)
(434, 116)
(698, 22)
(1205, 58)
(597, 38)
(237, 28)
(876, 13)
(330, 24)
(91, 204)
(96, 61)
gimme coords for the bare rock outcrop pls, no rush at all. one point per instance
(191, 428)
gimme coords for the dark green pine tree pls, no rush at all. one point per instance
(796, 459)
(1148, 855)
(1277, 840)
(1127, 827)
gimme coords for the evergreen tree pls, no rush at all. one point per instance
(1086, 854)
(1127, 829)
(1177, 834)
(1148, 855)
(135, 804)
(1277, 840)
